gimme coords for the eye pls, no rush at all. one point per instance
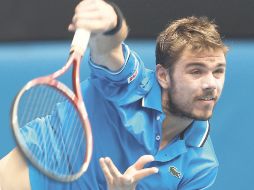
(219, 72)
(196, 72)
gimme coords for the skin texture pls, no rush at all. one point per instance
(13, 166)
(190, 92)
(128, 180)
(98, 17)
(197, 77)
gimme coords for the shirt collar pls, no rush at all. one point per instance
(153, 98)
(196, 135)
(171, 151)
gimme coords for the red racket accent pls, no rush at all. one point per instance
(79, 45)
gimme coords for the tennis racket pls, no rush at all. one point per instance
(50, 122)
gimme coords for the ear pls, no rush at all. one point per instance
(162, 75)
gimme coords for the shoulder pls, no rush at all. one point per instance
(201, 167)
(202, 155)
(13, 166)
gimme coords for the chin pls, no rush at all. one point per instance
(191, 115)
(202, 117)
(196, 114)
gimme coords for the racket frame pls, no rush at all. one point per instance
(76, 99)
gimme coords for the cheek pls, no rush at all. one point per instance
(220, 85)
(183, 93)
(188, 88)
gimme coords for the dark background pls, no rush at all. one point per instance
(48, 19)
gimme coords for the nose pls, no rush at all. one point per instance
(209, 82)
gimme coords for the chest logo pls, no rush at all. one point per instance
(174, 171)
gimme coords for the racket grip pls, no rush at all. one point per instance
(80, 41)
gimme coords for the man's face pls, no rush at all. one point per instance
(196, 83)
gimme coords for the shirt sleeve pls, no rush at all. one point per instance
(201, 170)
(39, 181)
(128, 84)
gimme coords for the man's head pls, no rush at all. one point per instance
(190, 58)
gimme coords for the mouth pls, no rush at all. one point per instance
(207, 98)
(207, 101)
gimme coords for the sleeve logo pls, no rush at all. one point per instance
(133, 76)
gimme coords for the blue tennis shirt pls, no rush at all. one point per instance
(126, 116)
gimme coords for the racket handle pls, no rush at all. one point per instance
(80, 41)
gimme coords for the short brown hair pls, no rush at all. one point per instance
(198, 33)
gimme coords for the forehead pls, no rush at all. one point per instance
(210, 57)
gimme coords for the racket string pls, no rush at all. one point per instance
(60, 148)
(29, 99)
(44, 115)
(72, 125)
(69, 138)
(63, 155)
(80, 143)
(74, 140)
(54, 129)
(41, 107)
(65, 160)
(42, 120)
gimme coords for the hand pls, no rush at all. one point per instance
(130, 178)
(96, 16)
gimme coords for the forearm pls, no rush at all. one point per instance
(13, 167)
(106, 50)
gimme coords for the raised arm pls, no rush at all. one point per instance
(108, 29)
(98, 17)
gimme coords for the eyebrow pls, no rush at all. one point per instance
(200, 64)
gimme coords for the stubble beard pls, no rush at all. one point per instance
(179, 111)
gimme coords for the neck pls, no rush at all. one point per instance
(172, 125)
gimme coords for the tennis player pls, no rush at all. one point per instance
(150, 128)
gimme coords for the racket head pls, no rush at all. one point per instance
(61, 152)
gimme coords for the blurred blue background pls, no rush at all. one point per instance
(232, 125)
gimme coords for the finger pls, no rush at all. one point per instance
(71, 27)
(106, 171)
(86, 9)
(83, 5)
(90, 5)
(93, 26)
(142, 161)
(112, 168)
(87, 17)
(144, 173)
